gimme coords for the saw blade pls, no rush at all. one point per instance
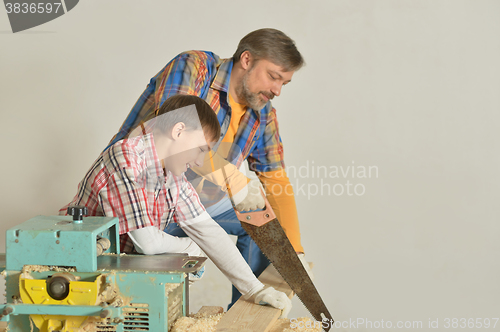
(275, 245)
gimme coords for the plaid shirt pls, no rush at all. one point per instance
(127, 181)
(205, 75)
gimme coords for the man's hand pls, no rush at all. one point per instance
(302, 258)
(249, 198)
(274, 298)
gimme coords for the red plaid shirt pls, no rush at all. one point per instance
(127, 181)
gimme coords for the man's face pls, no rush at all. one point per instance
(261, 83)
(189, 150)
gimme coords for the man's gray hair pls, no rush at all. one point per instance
(272, 45)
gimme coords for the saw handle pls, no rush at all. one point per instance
(257, 218)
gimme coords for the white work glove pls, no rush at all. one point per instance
(194, 250)
(274, 298)
(196, 276)
(302, 258)
(249, 198)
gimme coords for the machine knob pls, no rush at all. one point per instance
(58, 287)
(77, 212)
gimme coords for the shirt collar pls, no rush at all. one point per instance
(221, 80)
(153, 163)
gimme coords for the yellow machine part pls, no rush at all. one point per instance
(34, 291)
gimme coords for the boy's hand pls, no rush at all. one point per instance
(249, 198)
(196, 276)
(275, 298)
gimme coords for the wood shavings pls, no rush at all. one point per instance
(108, 291)
(202, 322)
(194, 323)
(27, 269)
(113, 254)
(302, 324)
(43, 268)
(170, 287)
(90, 324)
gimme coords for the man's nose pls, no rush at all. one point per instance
(276, 89)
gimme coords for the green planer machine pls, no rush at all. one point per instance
(66, 274)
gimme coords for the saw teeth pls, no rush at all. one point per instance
(272, 234)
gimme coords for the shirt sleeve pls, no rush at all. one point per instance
(279, 192)
(152, 241)
(215, 242)
(186, 74)
(124, 198)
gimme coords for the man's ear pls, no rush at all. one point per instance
(246, 60)
(178, 130)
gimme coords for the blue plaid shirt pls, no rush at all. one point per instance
(204, 75)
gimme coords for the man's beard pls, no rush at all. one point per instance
(250, 99)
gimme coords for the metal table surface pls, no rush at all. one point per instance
(150, 263)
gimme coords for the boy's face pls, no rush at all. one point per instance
(188, 150)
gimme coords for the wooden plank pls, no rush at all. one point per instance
(209, 311)
(245, 316)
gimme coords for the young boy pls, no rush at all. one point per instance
(141, 181)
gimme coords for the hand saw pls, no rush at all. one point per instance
(264, 228)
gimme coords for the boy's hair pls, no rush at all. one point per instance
(272, 45)
(193, 111)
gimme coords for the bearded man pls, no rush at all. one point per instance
(239, 90)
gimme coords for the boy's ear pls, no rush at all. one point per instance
(177, 130)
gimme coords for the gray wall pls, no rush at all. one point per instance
(408, 87)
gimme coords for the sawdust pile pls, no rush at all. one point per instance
(90, 324)
(303, 324)
(170, 287)
(197, 323)
(109, 294)
(27, 269)
(43, 268)
(208, 323)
